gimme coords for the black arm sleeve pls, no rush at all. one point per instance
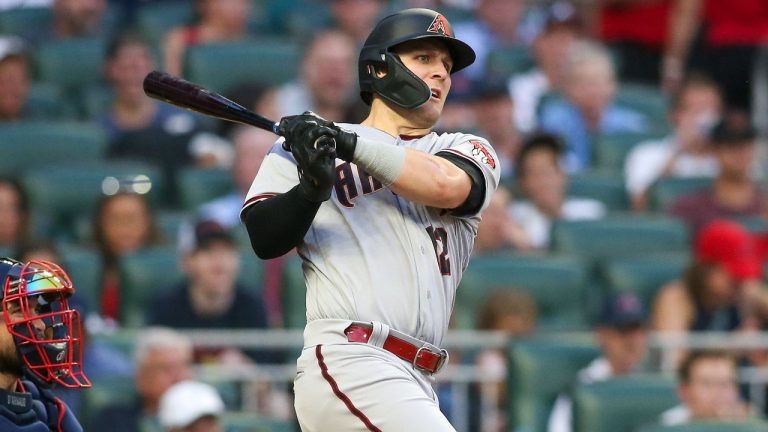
(477, 193)
(278, 224)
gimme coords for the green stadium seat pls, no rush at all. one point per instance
(46, 102)
(222, 66)
(71, 64)
(606, 188)
(665, 191)
(143, 274)
(712, 426)
(95, 100)
(197, 186)
(106, 392)
(557, 284)
(646, 99)
(619, 235)
(83, 265)
(622, 404)
(611, 149)
(251, 271)
(539, 370)
(249, 422)
(19, 21)
(504, 62)
(294, 294)
(67, 192)
(32, 145)
(155, 19)
(169, 223)
(645, 275)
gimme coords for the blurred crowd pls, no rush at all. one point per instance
(610, 114)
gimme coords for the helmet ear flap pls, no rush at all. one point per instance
(399, 85)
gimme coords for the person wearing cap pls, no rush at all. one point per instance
(721, 290)
(493, 109)
(191, 406)
(211, 296)
(734, 193)
(14, 80)
(622, 335)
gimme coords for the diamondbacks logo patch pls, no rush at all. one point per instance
(482, 154)
(440, 25)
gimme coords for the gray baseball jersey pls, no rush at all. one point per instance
(371, 255)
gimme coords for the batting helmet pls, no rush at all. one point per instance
(46, 331)
(401, 86)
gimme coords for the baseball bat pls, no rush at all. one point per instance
(184, 94)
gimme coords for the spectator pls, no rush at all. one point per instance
(14, 80)
(220, 21)
(15, 216)
(497, 26)
(721, 38)
(162, 357)
(498, 231)
(549, 50)
(734, 194)
(356, 18)
(123, 224)
(494, 115)
(587, 108)
(708, 390)
(191, 406)
(141, 128)
(77, 19)
(211, 297)
(543, 183)
(515, 313)
(721, 289)
(694, 110)
(622, 335)
(326, 81)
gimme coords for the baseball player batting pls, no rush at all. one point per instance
(384, 215)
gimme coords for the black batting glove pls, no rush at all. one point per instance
(312, 147)
(346, 142)
(289, 124)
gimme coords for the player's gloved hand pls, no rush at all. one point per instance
(312, 147)
(346, 142)
(289, 125)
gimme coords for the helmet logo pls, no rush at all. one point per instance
(440, 25)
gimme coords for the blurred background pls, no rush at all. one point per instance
(617, 280)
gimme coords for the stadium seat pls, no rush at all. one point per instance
(19, 21)
(251, 271)
(144, 273)
(539, 370)
(154, 19)
(622, 404)
(66, 192)
(105, 393)
(95, 101)
(504, 62)
(32, 145)
(55, 62)
(197, 186)
(294, 294)
(249, 422)
(665, 191)
(169, 223)
(83, 265)
(714, 426)
(557, 284)
(46, 102)
(606, 188)
(619, 235)
(646, 99)
(611, 149)
(222, 66)
(644, 275)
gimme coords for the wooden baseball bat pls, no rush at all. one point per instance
(184, 94)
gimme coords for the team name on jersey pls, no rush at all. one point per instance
(348, 177)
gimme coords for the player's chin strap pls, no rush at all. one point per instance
(400, 86)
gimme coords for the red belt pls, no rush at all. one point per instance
(426, 358)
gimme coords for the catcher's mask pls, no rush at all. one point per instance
(46, 331)
(401, 86)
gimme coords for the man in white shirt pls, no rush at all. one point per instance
(544, 185)
(623, 338)
(694, 110)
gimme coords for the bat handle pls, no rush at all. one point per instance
(276, 128)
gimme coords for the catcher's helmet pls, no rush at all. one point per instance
(46, 331)
(400, 85)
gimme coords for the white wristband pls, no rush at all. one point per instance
(383, 161)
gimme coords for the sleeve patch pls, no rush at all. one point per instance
(481, 154)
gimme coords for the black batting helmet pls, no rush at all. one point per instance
(400, 85)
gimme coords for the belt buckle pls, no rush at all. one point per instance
(442, 359)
